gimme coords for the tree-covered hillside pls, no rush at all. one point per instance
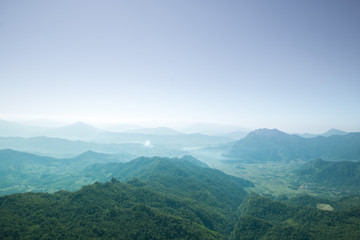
(115, 210)
(186, 177)
(272, 145)
(112, 210)
(330, 174)
(263, 218)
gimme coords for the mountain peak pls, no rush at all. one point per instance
(333, 131)
(267, 132)
(81, 124)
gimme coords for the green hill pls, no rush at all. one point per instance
(185, 177)
(331, 174)
(102, 211)
(262, 218)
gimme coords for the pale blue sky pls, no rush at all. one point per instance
(292, 65)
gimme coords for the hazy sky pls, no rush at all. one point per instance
(292, 65)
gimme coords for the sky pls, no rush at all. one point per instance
(291, 65)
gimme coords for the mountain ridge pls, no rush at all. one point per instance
(272, 145)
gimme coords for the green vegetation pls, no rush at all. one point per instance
(330, 174)
(115, 210)
(263, 218)
(103, 211)
(265, 145)
(186, 177)
(166, 198)
(22, 172)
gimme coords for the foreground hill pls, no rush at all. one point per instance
(272, 145)
(115, 210)
(102, 211)
(330, 174)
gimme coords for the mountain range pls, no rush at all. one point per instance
(21, 171)
(329, 133)
(272, 145)
(171, 198)
(80, 131)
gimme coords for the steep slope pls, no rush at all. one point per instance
(265, 145)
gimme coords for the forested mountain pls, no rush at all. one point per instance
(115, 210)
(105, 211)
(184, 196)
(186, 177)
(331, 174)
(262, 218)
(21, 172)
(265, 145)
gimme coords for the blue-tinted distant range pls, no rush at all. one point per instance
(290, 65)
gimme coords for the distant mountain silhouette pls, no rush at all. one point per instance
(157, 131)
(329, 133)
(11, 129)
(268, 145)
(195, 139)
(58, 147)
(76, 131)
(333, 132)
